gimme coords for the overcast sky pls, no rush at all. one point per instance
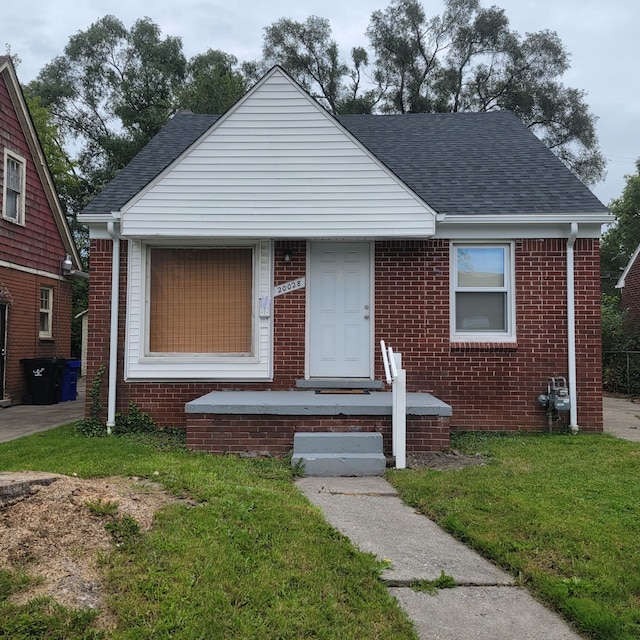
(601, 36)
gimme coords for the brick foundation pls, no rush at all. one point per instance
(274, 434)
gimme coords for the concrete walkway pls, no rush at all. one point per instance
(486, 605)
(26, 419)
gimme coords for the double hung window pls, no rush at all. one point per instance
(46, 312)
(14, 187)
(482, 298)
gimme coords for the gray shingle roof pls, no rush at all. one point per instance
(460, 163)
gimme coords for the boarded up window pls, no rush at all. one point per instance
(200, 300)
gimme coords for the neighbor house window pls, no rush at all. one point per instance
(46, 312)
(482, 292)
(200, 301)
(14, 187)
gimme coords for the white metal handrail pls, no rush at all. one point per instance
(397, 378)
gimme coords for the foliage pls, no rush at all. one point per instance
(135, 421)
(620, 348)
(111, 91)
(561, 512)
(213, 83)
(431, 586)
(308, 53)
(246, 556)
(468, 59)
(93, 426)
(103, 507)
(124, 530)
(61, 167)
(620, 240)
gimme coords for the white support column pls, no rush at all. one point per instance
(400, 415)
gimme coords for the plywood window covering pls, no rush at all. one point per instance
(200, 300)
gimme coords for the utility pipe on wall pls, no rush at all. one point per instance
(571, 328)
(113, 337)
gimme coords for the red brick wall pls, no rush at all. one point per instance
(489, 386)
(631, 290)
(23, 325)
(274, 434)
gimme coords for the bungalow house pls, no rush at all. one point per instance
(38, 256)
(245, 267)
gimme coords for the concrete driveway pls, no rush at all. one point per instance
(622, 418)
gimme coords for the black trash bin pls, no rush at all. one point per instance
(43, 377)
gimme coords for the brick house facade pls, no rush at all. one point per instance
(35, 294)
(489, 375)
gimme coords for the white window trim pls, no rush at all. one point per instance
(142, 365)
(508, 336)
(23, 183)
(49, 311)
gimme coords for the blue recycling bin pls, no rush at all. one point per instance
(43, 377)
(69, 381)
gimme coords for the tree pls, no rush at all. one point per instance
(468, 59)
(621, 239)
(308, 52)
(61, 167)
(111, 91)
(213, 83)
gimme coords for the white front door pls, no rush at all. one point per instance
(340, 322)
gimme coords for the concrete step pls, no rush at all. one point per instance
(339, 454)
(337, 442)
(336, 464)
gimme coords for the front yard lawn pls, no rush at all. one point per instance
(246, 557)
(562, 513)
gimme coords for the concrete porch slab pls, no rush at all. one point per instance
(309, 403)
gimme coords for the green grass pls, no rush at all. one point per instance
(252, 558)
(562, 513)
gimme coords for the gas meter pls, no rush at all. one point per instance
(556, 398)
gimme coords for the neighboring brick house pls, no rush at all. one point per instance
(629, 285)
(271, 248)
(35, 240)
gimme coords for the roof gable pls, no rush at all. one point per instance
(277, 165)
(459, 165)
(7, 72)
(621, 281)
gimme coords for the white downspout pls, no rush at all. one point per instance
(571, 329)
(113, 337)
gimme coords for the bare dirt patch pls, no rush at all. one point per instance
(444, 460)
(52, 534)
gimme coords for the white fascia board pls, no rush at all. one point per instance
(620, 283)
(528, 218)
(504, 227)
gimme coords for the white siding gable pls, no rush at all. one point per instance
(277, 165)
